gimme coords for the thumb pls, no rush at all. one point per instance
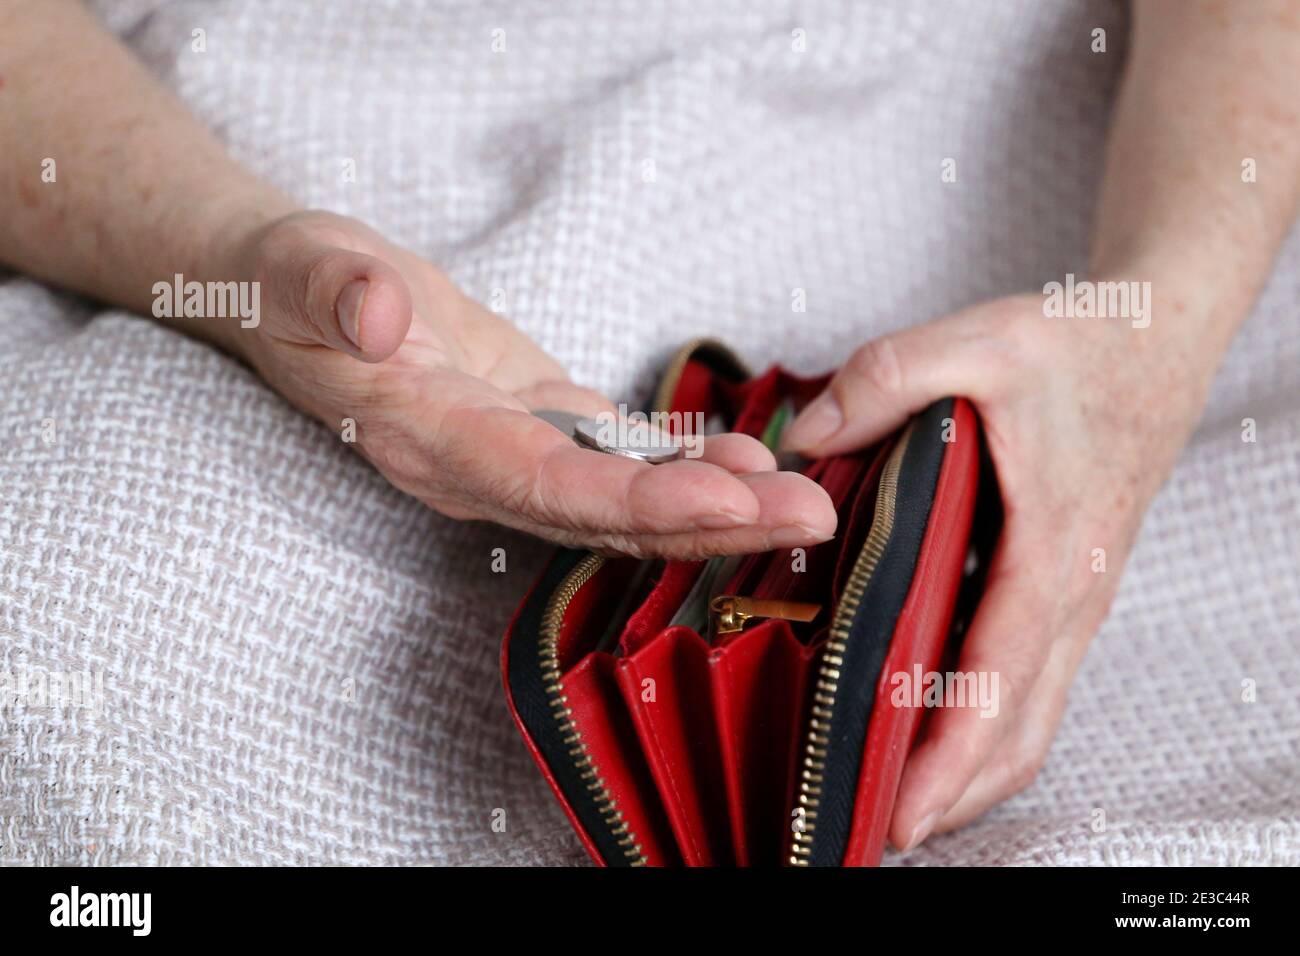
(883, 383)
(322, 294)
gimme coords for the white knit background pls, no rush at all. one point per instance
(232, 568)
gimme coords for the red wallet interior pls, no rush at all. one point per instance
(673, 745)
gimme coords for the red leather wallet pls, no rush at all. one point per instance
(766, 733)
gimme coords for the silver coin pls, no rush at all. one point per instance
(566, 422)
(640, 442)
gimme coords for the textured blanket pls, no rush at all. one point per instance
(287, 661)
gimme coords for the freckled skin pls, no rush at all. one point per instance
(29, 192)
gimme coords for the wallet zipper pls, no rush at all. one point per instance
(824, 694)
(553, 684)
(730, 612)
(827, 687)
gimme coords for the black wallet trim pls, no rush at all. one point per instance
(872, 631)
(532, 704)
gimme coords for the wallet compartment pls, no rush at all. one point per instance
(910, 562)
(776, 742)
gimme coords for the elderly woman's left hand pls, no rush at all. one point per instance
(1084, 419)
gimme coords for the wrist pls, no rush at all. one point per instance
(1188, 309)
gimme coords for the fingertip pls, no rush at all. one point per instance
(919, 803)
(939, 772)
(791, 499)
(374, 313)
(920, 832)
(815, 425)
(915, 813)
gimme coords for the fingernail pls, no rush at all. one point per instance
(348, 308)
(816, 423)
(793, 535)
(922, 830)
(721, 520)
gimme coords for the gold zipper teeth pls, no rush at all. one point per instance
(828, 676)
(673, 373)
(553, 684)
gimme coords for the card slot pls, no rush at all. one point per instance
(759, 687)
(660, 605)
(666, 686)
(589, 612)
(600, 714)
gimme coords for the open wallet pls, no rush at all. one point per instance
(740, 710)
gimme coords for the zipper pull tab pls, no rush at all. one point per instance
(731, 611)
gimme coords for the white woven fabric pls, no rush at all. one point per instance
(300, 664)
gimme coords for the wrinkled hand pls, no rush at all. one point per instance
(440, 389)
(1084, 419)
